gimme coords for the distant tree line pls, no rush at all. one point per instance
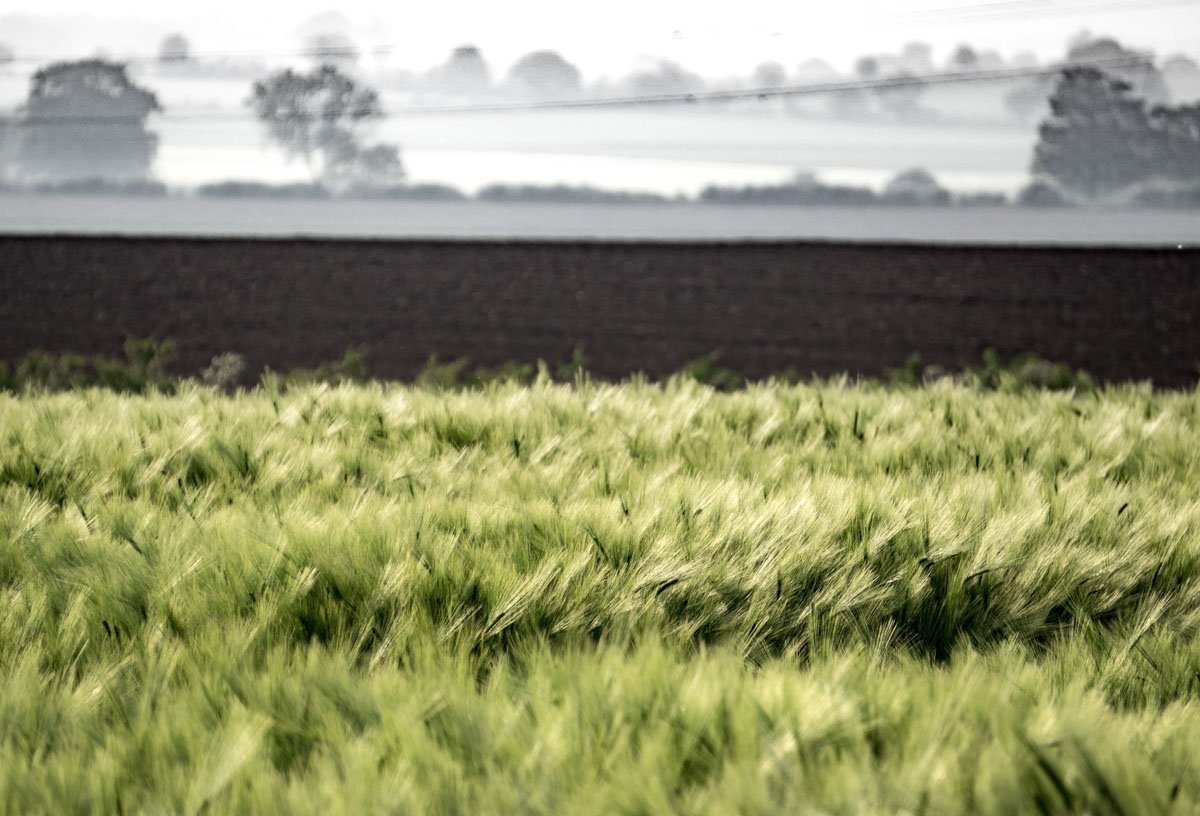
(1108, 131)
(914, 188)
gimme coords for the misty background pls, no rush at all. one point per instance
(914, 103)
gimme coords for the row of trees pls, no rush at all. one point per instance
(901, 94)
(1106, 134)
(88, 119)
(548, 75)
(543, 74)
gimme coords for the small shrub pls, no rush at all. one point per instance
(144, 366)
(1026, 371)
(148, 360)
(437, 374)
(706, 370)
(522, 373)
(224, 371)
(40, 370)
(457, 374)
(910, 374)
(351, 368)
(574, 368)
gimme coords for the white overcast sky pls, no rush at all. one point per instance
(605, 37)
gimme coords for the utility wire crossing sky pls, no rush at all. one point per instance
(956, 78)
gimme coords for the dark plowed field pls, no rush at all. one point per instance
(766, 307)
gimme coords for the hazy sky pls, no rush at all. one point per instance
(608, 37)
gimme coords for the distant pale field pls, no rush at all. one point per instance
(481, 219)
(553, 599)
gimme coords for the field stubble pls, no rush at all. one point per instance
(824, 598)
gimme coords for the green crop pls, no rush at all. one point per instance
(634, 598)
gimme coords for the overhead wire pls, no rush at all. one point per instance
(641, 100)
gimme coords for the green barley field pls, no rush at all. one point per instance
(830, 598)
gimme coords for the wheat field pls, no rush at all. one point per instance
(824, 598)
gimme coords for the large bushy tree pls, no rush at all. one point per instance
(1096, 140)
(84, 119)
(1101, 139)
(321, 116)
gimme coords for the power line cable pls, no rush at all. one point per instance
(646, 100)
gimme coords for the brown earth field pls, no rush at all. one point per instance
(813, 308)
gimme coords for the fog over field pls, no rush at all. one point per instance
(207, 135)
(966, 134)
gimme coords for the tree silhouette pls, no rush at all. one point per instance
(965, 58)
(915, 186)
(769, 75)
(917, 58)
(85, 119)
(174, 49)
(666, 78)
(465, 72)
(1098, 139)
(867, 67)
(545, 74)
(321, 116)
